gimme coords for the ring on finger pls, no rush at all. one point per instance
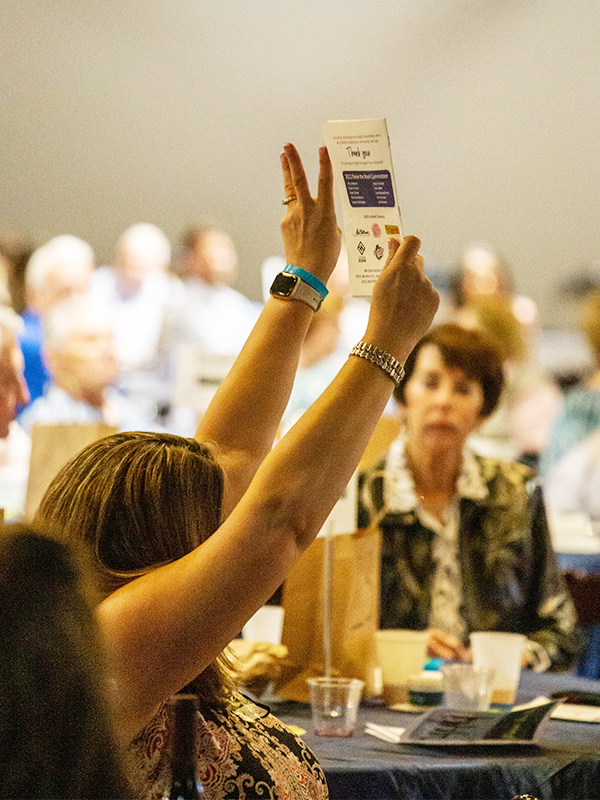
(288, 199)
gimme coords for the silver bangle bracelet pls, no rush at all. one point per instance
(385, 361)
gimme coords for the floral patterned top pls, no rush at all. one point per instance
(243, 752)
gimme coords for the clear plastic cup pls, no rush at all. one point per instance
(334, 704)
(467, 686)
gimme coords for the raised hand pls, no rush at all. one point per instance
(311, 237)
(404, 301)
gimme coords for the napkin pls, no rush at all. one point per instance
(388, 733)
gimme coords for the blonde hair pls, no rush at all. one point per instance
(138, 501)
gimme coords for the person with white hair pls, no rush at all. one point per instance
(59, 269)
(79, 349)
(15, 446)
(139, 290)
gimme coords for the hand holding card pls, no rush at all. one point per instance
(362, 168)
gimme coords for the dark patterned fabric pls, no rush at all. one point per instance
(243, 752)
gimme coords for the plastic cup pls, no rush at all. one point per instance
(501, 652)
(400, 654)
(467, 686)
(334, 704)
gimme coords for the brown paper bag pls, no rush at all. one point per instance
(354, 612)
(51, 447)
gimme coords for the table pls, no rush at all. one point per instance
(566, 765)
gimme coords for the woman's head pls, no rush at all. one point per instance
(494, 314)
(453, 380)
(138, 500)
(55, 736)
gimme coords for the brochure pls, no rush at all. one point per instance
(444, 726)
(364, 176)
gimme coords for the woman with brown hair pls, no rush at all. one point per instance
(190, 542)
(465, 538)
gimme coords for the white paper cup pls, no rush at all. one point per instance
(467, 686)
(501, 652)
(334, 704)
(400, 654)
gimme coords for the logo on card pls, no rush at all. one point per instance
(361, 232)
(392, 230)
(378, 252)
(361, 248)
(376, 230)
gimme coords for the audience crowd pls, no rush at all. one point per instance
(488, 440)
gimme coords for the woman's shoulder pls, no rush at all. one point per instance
(504, 471)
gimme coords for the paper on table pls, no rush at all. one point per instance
(576, 713)
(364, 176)
(388, 733)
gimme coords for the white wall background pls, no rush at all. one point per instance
(116, 111)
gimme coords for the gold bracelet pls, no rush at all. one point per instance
(381, 359)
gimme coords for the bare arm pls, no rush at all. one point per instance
(242, 420)
(164, 628)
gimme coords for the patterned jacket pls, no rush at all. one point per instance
(509, 575)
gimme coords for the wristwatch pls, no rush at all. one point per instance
(292, 287)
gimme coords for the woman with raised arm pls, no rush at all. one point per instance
(190, 539)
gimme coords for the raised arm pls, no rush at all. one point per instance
(242, 420)
(165, 627)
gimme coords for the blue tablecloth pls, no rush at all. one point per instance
(566, 766)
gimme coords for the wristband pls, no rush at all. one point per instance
(309, 278)
(385, 361)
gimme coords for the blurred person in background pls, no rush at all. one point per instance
(15, 445)
(80, 352)
(139, 290)
(215, 316)
(484, 272)
(519, 428)
(579, 415)
(15, 251)
(57, 270)
(56, 731)
(210, 326)
(465, 541)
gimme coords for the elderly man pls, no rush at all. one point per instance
(79, 350)
(139, 291)
(15, 446)
(57, 270)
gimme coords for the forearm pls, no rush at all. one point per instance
(310, 467)
(242, 421)
(243, 418)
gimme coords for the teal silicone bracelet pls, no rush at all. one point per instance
(309, 278)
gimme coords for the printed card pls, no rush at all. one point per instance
(364, 176)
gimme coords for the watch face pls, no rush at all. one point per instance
(283, 285)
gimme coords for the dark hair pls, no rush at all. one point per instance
(138, 500)
(56, 737)
(195, 233)
(474, 351)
